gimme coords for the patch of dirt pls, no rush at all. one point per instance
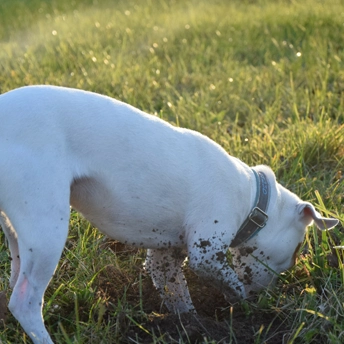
(216, 320)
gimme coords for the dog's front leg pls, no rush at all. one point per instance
(208, 259)
(165, 269)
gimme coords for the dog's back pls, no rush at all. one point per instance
(116, 158)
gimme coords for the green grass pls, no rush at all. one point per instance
(265, 79)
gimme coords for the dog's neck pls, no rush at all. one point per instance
(258, 217)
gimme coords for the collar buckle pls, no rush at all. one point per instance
(258, 217)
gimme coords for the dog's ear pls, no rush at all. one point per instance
(308, 214)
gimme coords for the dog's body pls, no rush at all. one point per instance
(140, 181)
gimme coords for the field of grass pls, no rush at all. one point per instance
(264, 79)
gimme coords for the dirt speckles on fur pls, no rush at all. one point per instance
(248, 275)
(205, 243)
(248, 270)
(246, 250)
(220, 256)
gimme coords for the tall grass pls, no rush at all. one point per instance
(262, 78)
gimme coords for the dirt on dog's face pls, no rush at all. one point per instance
(259, 265)
(252, 267)
(257, 270)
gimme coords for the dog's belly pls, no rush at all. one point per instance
(130, 219)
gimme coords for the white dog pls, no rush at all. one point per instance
(143, 182)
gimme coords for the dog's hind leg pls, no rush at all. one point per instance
(11, 237)
(40, 250)
(165, 269)
(37, 207)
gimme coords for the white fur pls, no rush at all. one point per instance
(140, 181)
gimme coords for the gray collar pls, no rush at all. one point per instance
(258, 217)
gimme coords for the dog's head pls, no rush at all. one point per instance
(275, 248)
